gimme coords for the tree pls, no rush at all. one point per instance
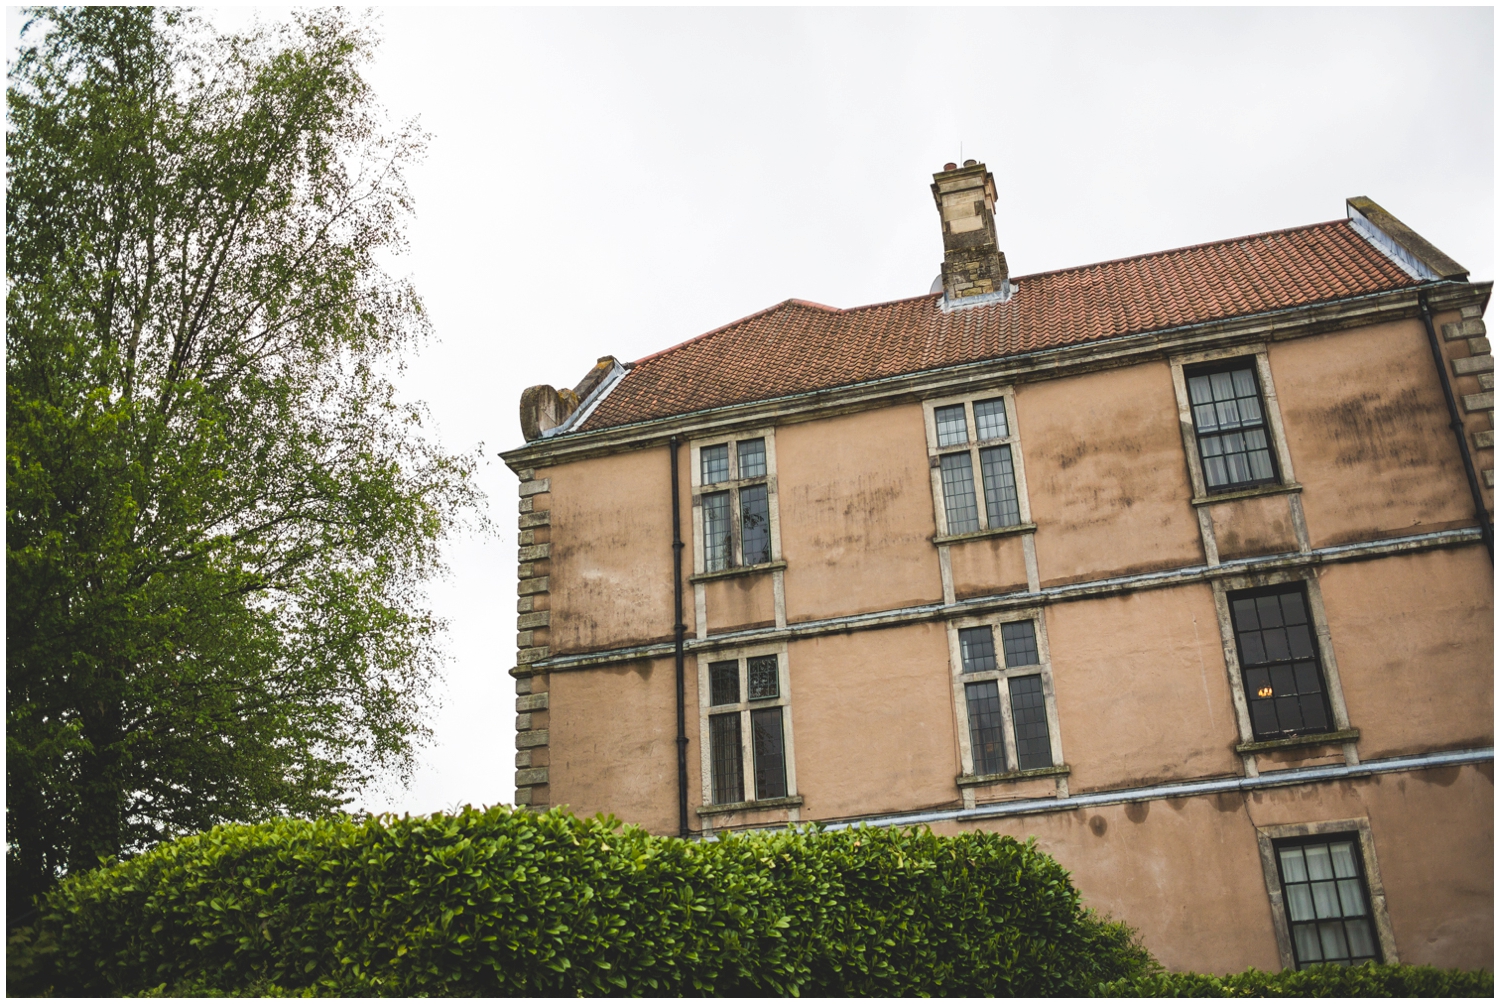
(219, 515)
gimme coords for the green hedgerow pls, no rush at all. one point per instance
(1368, 980)
(499, 901)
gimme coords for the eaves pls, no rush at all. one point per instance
(1042, 364)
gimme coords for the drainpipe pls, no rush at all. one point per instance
(678, 631)
(1456, 423)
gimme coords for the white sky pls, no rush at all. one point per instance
(614, 181)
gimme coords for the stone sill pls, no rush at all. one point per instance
(1249, 493)
(974, 780)
(1321, 739)
(790, 802)
(998, 531)
(729, 573)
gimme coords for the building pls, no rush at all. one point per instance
(1179, 563)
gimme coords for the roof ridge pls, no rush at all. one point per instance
(724, 327)
(1176, 250)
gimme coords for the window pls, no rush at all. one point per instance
(1327, 900)
(1004, 685)
(975, 457)
(734, 495)
(1279, 663)
(1230, 422)
(747, 725)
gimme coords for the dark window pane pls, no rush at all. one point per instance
(715, 460)
(986, 728)
(952, 430)
(770, 761)
(752, 458)
(724, 682)
(1019, 639)
(728, 758)
(958, 493)
(765, 680)
(989, 419)
(716, 532)
(977, 648)
(1028, 712)
(755, 525)
(1327, 906)
(1279, 662)
(999, 486)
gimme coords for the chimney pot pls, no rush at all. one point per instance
(970, 163)
(950, 167)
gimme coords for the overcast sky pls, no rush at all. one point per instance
(615, 181)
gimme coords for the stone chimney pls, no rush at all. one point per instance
(973, 264)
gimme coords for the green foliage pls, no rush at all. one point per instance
(511, 902)
(1368, 980)
(219, 517)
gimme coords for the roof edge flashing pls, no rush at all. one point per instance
(1001, 295)
(1400, 243)
(587, 405)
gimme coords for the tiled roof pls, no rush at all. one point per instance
(798, 346)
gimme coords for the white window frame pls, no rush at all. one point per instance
(747, 740)
(733, 485)
(1266, 836)
(967, 779)
(974, 445)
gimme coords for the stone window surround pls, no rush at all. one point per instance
(1344, 734)
(790, 802)
(1265, 837)
(1026, 528)
(1201, 499)
(967, 781)
(777, 565)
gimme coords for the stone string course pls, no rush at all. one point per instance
(533, 625)
(1479, 364)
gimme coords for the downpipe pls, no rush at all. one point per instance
(1456, 423)
(679, 630)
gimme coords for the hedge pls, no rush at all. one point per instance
(1368, 980)
(511, 902)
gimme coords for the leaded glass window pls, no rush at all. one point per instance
(986, 727)
(752, 457)
(977, 648)
(724, 682)
(1006, 697)
(989, 419)
(755, 525)
(716, 532)
(770, 755)
(728, 758)
(764, 678)
(1019, 639)
(715, 460)
(1028, 713)
(1327, 901)
(952, 428)
(999, 486)
(958, 493)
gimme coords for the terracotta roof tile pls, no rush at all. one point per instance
(798, 346)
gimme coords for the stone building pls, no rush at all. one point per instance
(1179, 563)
